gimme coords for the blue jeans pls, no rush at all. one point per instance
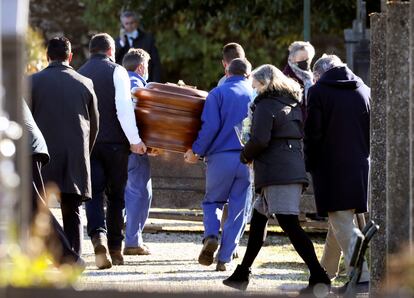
(109, 164)
(138, 197)
(227, 181)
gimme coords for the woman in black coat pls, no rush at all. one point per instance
(275, 148)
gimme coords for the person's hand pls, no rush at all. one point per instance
(122, 35)
(244, 160)
(154, 151)
(190, 157)
(139, 148)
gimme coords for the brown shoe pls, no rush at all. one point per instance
(221, 266)
(137, 250)
(99, 242)
(116, 256)
(206, 256)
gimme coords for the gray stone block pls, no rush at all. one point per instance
(177, 184)
(170, 164)
(398, 135)
(177, 199)
(412, 119)
(378, 147)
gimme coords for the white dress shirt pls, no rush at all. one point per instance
(124, 109)
(130, 37)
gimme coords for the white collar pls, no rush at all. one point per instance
(133, 34)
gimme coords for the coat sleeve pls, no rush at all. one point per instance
(313, 129)
(36, 139)
(210, 124)
(93, 118)
(261, 132)
(154, 63)
(120, 51)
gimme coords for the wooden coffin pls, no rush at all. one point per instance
(169, 116)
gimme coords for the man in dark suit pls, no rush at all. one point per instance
(65, 108)
(337, 154)
(132, 37)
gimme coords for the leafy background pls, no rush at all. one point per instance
(191, 33)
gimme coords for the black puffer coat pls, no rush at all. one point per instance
(275, 146)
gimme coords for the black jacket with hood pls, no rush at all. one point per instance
(337, 141)
(275, 145)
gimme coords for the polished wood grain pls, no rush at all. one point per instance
(169, 117)
(174, 88)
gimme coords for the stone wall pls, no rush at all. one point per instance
(378, 146)
(392, 141)
(177, 184)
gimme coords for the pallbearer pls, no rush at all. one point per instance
(138, 190)
(228, 180)
(118, 135)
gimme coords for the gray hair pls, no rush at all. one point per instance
(301, 46)
(325, 63)
(239, 66)
(271, 79)
(129, 14)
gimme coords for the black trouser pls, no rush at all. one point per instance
(290, 225)
(57, 243)
(109, 169)
(72, 225)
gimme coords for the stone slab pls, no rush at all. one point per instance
(378, 147)
(398, 170)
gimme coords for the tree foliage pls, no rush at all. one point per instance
(191, 33)
(35, 51)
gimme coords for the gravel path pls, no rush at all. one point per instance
(173, 266)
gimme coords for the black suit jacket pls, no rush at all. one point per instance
(146, 42)
(65, 108)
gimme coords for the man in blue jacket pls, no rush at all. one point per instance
(138, 190)
(227, 179)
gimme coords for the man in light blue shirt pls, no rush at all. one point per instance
(227, 179)
(138, 190)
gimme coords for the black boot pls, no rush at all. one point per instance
(318, 282)
(239, 279)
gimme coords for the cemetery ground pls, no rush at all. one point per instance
(173, 266)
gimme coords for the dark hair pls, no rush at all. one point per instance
(133, 58)
(240, 67)
(100, 43)
(129, 14)
(58, 48)
(232, 51)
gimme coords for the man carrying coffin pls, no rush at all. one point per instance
(227, 179)
(138, 190)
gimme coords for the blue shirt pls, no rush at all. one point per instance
(225, 107)
(136, 80)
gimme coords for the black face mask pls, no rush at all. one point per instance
(304, 65)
